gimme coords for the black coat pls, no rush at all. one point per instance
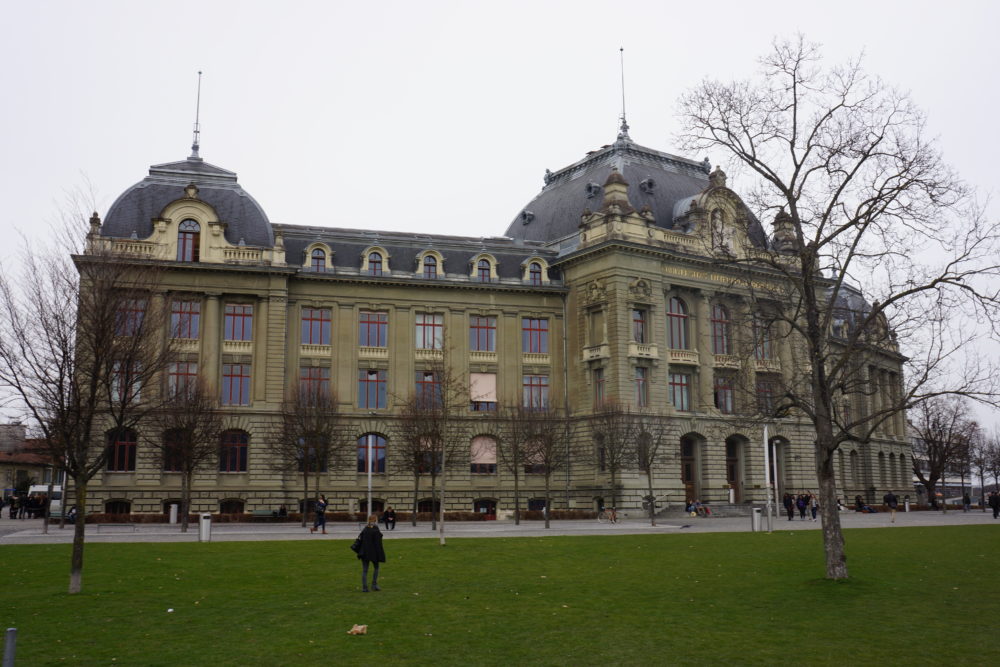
(371, 544)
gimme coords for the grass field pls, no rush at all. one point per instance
(916, 595)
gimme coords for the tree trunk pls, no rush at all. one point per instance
(185, 499)
(416, 499)
(76, 560)
(833, 537)
(548, 498)
(652, 499)
(434, 498)
(614, 490)
(305, 498)
(517, 496)
(441, 522)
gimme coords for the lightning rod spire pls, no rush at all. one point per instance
(196, 142)
(623, 128)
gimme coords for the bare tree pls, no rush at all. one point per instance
(546, 446)
(185, 431)
(839, 160)
(310, 435)
(651, 439)
(514, 426)
(943, 429)
(82, 345)
(615, 430)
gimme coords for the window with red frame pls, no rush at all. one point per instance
(723, 394)
(121, 450)
(375, 264)
(534, 336)
(482, 334)
(182, 378)
(766, 395)
(377, 445)
(535, 273)
(428, 389)
(430, 266)
(233, 451)
(429, 331)
(236, 384)
(721, 333)
(373, 329)
(185, 319)
(599, 387)
(679, 390)
(318, 259)
(188, 241)
(173, 450)
(239, 322)
(314, 384)
(315, 326)
(128, 320)
(371, 389)
(639, 334)
(762, 348)
(536, 392)
(484, 271)
(641, 386)
(126, 382)
(677, 323)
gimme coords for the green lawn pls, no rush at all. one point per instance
(916, 595)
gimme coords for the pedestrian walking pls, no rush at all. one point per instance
(320, 521)
(995, 503)
(813, 505)
(789, 504)
(800, 503)
(966, 502)
(892, 502)
(370, 551)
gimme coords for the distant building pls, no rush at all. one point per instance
(21, 460)
(602, 288)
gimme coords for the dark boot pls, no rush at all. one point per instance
(375, 586)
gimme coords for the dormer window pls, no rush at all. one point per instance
(535, 273)
(484, 270)
(188, 241)
(375, 264)
(430, 266)
(318, 260)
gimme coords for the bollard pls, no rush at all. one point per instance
(755, 520)
(9, 647)
(205, 528)
(173, 513)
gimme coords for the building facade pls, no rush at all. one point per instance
(605, 287)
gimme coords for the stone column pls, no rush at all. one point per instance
(703, 340)
(211, 342)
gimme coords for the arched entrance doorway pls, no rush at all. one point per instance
(736, 448)
(486, 506)
(691, 467)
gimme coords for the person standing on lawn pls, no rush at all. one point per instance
(789, 504)
(892, 502)
(320, 521)
(370, 551)
(813, 505)
(995, 503)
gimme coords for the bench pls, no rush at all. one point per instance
(132, 526)
(265, 515)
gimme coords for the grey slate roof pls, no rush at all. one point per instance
(656, 179)
(135, 208)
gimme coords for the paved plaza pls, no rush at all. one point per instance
(29, 531)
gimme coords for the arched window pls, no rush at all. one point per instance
(484, 455)
(318, 260)
(677, 323)
(118, 507)
(430, 266)
(175, 450)
(377, 445)
(429, 505)
(483, 270)
(721, 333)
(535, 273)
(188, 240)
(375, 264)
(233, 451)
(121, 450)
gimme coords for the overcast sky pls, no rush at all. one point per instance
(433, 116)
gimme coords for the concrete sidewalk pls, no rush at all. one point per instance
(26, 531)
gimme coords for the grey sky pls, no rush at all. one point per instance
(431, 116)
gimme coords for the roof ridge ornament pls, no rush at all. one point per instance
(196, 141)
(623, 126)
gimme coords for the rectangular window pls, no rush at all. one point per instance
(233, 451)
(536, 392)
(376, 444)
(371, 389)
(596, 329)
(680, 391)
(766, 392)
(182, 378)
(763, 346)
(173, 452)
(428, 389)
(641, 387)
(424, 462)
(534, 336)
(639, 333)
(723, 393)
(121, 451)
(482, 334)
(430, 331)
(315, 326)
(239, 322)
(373, 329)
(125, 382)
(599, 387)
(185, 319)
(482, 392)
(236, 384)
(128, 320)
(314, 384)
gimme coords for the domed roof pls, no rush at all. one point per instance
(135, 209)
